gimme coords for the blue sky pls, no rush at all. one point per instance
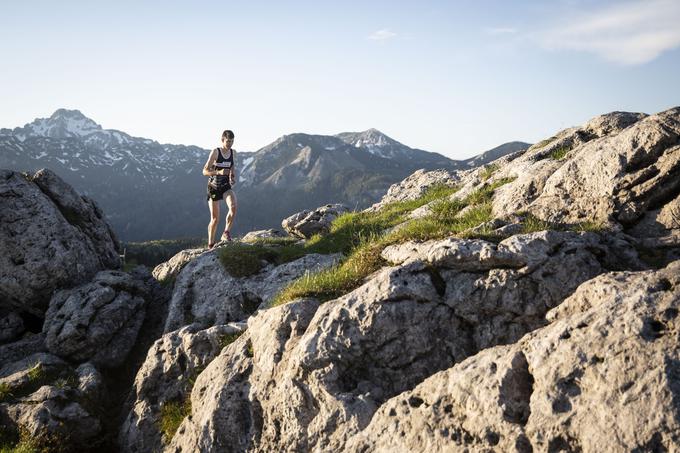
(456, 77)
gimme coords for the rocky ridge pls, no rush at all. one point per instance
(547, 323)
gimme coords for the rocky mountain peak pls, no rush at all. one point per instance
(370, 138)
(62, 124)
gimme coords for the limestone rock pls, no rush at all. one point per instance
(605, 373)
(416, 185)
(11, 326)
(25, 375)
(29, 344)
(98, 321)
(61, 413)
(171, 268)
(167, 376)
(83, 213)
(306, 224)
(619, 176)
(47, 245)
(263, 234)
(206, 294)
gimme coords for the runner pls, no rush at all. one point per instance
(222, 177)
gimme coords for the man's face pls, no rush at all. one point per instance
(227, 142)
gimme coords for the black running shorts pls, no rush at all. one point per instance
(216, 193)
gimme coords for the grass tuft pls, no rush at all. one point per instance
(172, 414)
(364, 259)
(531, 224)
(544, 143)
(229, 338)
(559, 153)
(242, 260)
(5, 391)
(488, 171)
(21, 441)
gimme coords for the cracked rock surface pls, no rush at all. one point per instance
(585, 381)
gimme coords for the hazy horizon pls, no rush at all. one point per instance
(453, 78)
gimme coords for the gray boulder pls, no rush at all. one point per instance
(61, 414)
(206, 294)
(589, 381)
(11, 326)
(83, 213)
(263, 234)
(417, 184)
(43, 396)
(169, 270)
(96, 322)
(314, 386)
(306, 224)
(50, 237)
(167, 376)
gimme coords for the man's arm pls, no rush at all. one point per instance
(207, 168)
(232, 170)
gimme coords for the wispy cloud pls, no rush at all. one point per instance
(382, 35)
(630, 33)
(500, 30)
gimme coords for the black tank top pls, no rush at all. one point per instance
(222, 162)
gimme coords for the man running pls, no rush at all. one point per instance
(222, 177)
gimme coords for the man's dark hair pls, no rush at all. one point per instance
(227, 134)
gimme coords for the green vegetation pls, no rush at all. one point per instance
(559, 153)
(152, 253)
(249, 349)
(544, 143)
(172, 414)
(488, 171)
(5, 391)
(447, 217)
(22, 441)
(241, 260)
(531, 224)
(228, 339)
(347, 233)
(37, 373)
(591, 226)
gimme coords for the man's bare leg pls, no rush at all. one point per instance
(214, 206)
(230, 199)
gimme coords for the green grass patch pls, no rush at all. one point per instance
(229, 338)
(590, 226)
(347, 232)
(172, 414)
(531, 224)
(21, 441)
(485, 194)
(364, 259)
(559, 153)
(544, 143)
(249, 349)
(5, 392)
(340, 279)
(242, 260)
(37, 373)
(488, 171)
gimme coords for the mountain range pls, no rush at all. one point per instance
(151, 190)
